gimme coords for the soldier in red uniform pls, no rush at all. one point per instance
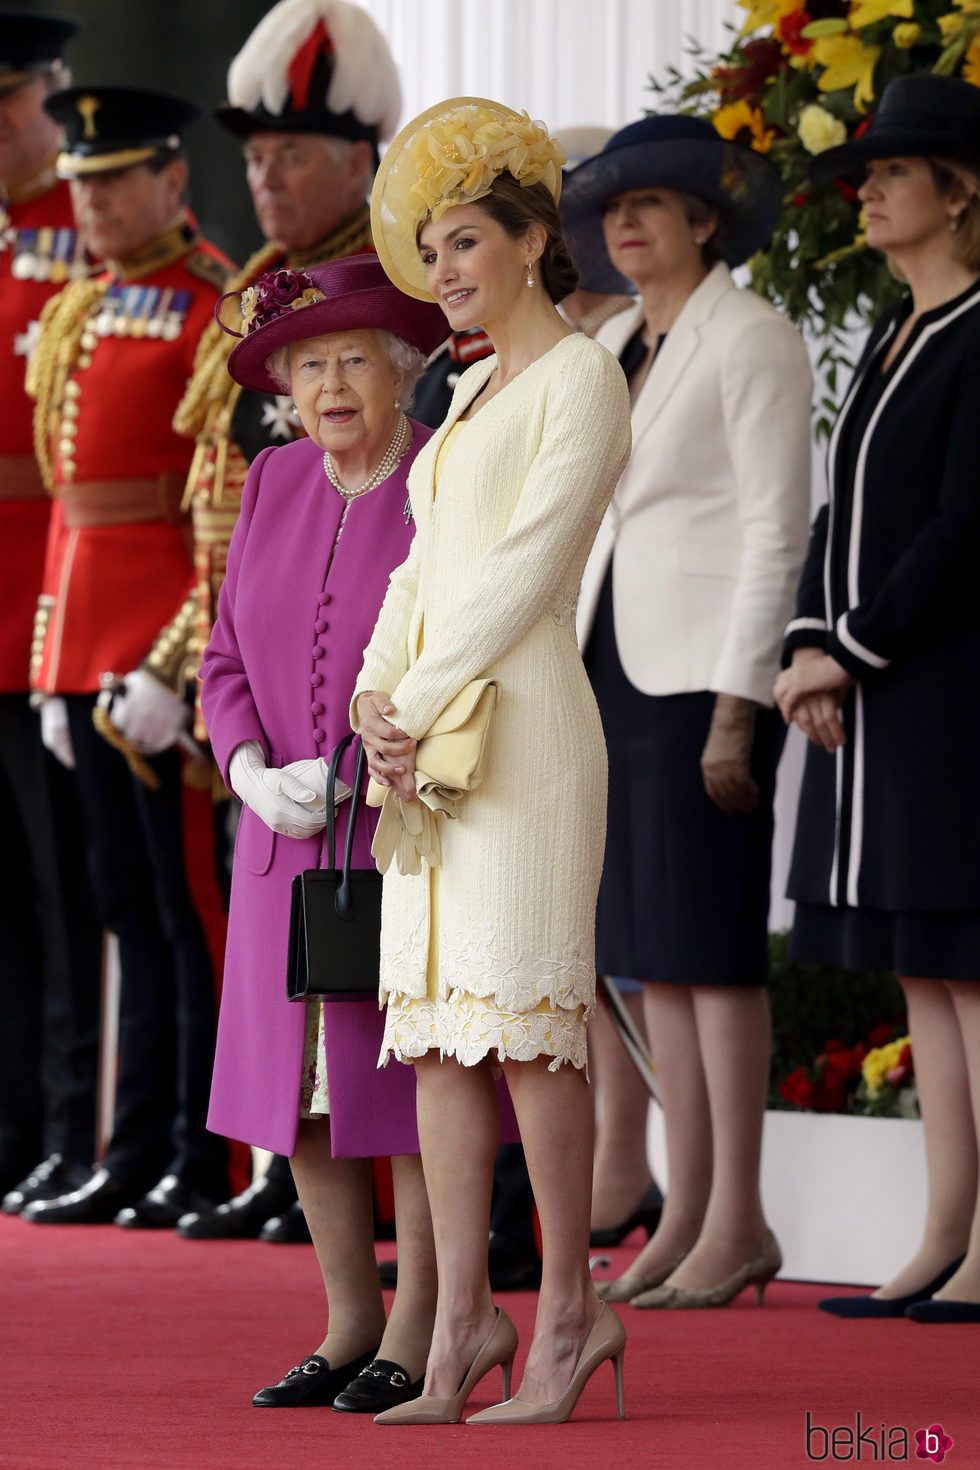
(50, 941)
(111, 363)
(311, 93)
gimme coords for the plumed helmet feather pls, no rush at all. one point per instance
(364, 79)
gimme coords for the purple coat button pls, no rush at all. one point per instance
(319, 626)
(316, 680)
(316, 708)
(318, 650)
(324, 599)
(319, 736)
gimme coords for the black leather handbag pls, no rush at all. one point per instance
(335, 914)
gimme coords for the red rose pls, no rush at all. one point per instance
(797, 1088)
(801, 197)
(789, 28)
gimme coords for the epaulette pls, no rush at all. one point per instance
(209, 268)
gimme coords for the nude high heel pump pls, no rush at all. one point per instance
(757, 1272)
(624, 1288)
(498, 1349)
(606, 1340)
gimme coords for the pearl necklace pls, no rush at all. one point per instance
(389, 460)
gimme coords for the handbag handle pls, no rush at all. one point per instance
(342, 898)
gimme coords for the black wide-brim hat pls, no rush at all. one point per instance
(675, 152)
(356, 295)
(116, 127)
(29, 42)
(921, 116)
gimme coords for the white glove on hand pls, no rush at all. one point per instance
(284, 802)
(313, 773)
(55, 734)
(147, 713)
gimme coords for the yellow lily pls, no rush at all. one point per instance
(866, 12)
(765, 12)
(847, 62)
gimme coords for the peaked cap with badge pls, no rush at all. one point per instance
(31, 44)
(109, 128)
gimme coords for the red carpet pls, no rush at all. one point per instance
(120, 1350)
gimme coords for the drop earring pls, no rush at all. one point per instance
(529, 278)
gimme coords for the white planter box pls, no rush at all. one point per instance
(846, 1197)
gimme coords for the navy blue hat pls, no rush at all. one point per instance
(921, 116)
(117, 127)
(30, 43)
(670, 152)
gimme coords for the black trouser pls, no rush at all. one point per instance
(166, 1003)
(50, 953)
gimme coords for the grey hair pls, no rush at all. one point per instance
(402, 358)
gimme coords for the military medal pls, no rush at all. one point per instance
(142, 315)
(123, 321)
(25, 261)
(174, 324)
(154, 327)
(102, 325)
(45, 248)
(62, 250)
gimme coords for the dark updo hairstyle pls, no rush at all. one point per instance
(515, 208)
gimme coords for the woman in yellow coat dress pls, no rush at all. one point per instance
(487, 959)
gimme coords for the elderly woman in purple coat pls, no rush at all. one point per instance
(323, 522)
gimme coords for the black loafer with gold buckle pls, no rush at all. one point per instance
(311, 1384)
(381, 1385)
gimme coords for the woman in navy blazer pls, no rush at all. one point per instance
(883, 657)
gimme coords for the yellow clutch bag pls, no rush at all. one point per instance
(448, 763)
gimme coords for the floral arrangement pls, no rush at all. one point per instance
(802, 76)
(873, 1078)
(275, 293)
(456, 158)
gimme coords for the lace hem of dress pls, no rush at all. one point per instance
(469, 1028)
(513, 983)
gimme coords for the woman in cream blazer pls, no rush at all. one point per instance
(487, 959)
(682, 607)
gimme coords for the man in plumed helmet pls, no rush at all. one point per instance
(49, 940)
(112, 360)
(311, 94)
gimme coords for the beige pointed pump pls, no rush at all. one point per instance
(606, 1340)
(498, 1349)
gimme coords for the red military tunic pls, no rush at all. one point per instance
(118, 561)
(39, 253)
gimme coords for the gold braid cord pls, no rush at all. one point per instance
(134, 757)
(62, 322)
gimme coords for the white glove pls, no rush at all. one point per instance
(283, 801)
(313, 773)
(147, 713)
(55, 734)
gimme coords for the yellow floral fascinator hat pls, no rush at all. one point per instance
(448, 155)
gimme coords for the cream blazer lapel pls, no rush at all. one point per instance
(674, 359)
(424, 470)
(676, 355)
